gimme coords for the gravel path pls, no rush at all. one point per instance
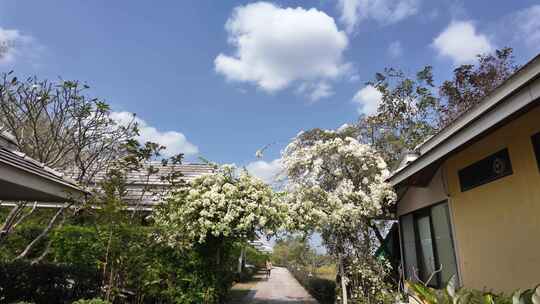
(280, 288)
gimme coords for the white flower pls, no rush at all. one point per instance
(220, 204)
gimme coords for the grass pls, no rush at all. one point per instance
(327, 272)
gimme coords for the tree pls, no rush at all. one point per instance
(58, 124)
(222, 205)
(336, 186)
(406, 115)
(471, 83)
(292, 251)
(215, 211)
(414, 108)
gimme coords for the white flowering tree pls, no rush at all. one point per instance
(207, 219)
(216, 208)
(336, 186)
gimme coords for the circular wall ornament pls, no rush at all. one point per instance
(498, 166)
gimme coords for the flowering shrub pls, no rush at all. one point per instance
(335, 182)
(220, 205)
(368, 278)
(211, 213)
(336, 185)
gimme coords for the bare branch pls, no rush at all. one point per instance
(43, 233)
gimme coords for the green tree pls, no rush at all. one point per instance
(406, 115)
(413, 108)
(58, 124)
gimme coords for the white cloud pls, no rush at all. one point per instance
(267, 171)
(395, 49)
(276, 47)
(368, 99)
(316, 91)
(175, 142)
(14, 44)
(354, 77)
(527, 22)
(383, 11)
(461, 42)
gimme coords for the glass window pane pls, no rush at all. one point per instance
(409, 246)
(426, 260)
(444, 242)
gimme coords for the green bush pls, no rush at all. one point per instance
(452, 295)
(255, 257)
(246, 275)
(323, 290)
(19, 239)
(46, 283)
(77, 245)
(91, 301)
(145, 271)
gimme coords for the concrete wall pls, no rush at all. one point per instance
(419, 197)
(497, 225)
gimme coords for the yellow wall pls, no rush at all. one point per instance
(497, 225)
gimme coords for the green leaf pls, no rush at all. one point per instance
(488, 299)
(463, 298)
(425, 294)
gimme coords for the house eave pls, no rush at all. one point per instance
(19, 185)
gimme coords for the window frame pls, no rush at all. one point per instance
(503, 154)
(437, 278)
(417, 215)
(535, 141)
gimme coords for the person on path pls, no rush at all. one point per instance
(268, 268)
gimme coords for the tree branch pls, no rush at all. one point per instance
(43, 233)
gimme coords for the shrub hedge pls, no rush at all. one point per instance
(91, 301)
(323, 290)
(46, 283)
(145, 271)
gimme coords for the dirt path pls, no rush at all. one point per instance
(280, 288)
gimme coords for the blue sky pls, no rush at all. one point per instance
(222, 92)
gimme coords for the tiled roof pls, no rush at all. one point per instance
(146, 191)
(142, 189)
(23, 162)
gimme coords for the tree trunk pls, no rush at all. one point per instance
(218, 257)
(106, 264)
(343, 280)
(241, 259)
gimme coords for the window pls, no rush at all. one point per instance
(428, 245)
(536, 146)
(486, 170)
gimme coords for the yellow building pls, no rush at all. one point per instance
(470, 195)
